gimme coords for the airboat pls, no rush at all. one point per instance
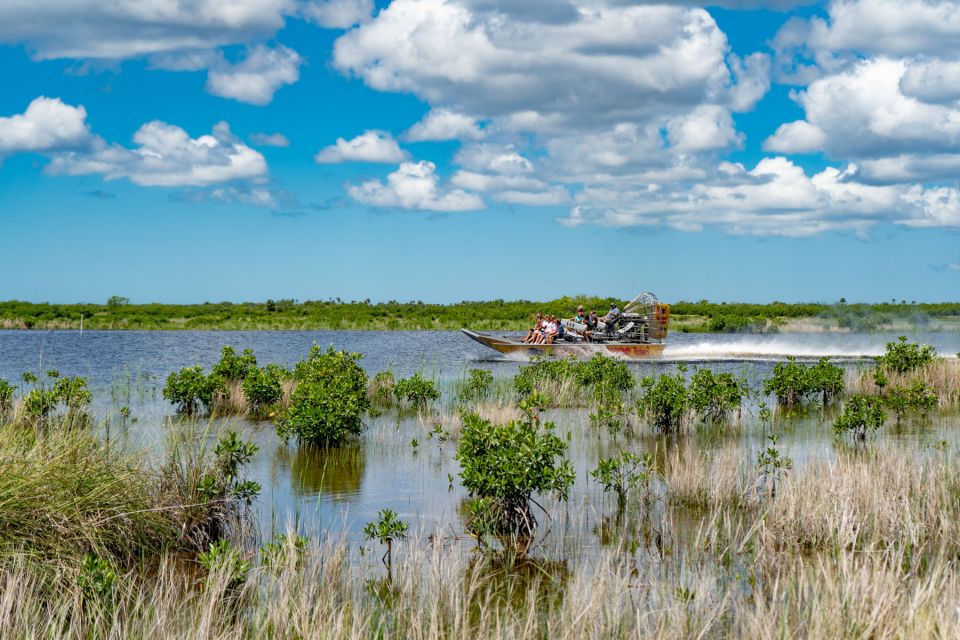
(639, 332)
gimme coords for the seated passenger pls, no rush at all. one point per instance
(534, 329)
(550, 330)
(611, 318)
(591, 323)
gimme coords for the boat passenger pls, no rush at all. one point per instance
(591, 321)
(534, 329)
(550, 330)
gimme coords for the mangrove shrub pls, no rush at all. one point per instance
(191, 390)
(504, 465)
(665, 401)
(329, 401)
(416, 391)
(861, 415)
(714, 396)
(903, 357)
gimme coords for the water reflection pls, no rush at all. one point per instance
(336, 472)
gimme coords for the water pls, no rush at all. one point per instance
(101, 355)
(344, 489)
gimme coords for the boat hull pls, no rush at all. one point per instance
(503, 344)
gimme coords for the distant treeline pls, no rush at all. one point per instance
(118, 313)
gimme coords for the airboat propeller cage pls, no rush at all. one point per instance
(648, 309)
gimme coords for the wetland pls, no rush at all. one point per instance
(659, 502)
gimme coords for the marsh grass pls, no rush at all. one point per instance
(942, 375)
(232, 402)
(722, 478)
(66, 493)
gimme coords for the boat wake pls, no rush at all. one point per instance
(752, 349)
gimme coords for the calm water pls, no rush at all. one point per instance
(344, 489)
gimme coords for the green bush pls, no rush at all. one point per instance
(262, 389)
(330, 400)
(386, 528)
(904, 357)
(604, 371)
(39, 403)
(665, 401)
(191, 390)
(233, 367)
(861, 415)
(919, 396)
(826, 379)
(477, 385)
(504, 465)
(530, 376)
(623, 473)
(71, 393)
(416, 391)
(790, 383)
(714, 396)
(381, 389)
(605, 375)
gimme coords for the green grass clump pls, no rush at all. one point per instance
(67, 494)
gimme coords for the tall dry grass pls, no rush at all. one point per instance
(942, 375)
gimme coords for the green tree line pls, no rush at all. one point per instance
(118, 313)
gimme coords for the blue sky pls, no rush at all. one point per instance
(474, 149)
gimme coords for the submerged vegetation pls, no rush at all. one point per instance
(490, 315)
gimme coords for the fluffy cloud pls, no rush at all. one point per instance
(257, 77)
(129, 28)
(932, 80)
(880, 27)
(166, 156)
(863, 113)
(608, 64)
(443, 124)
(776, 197)
(415, 185)
(796, 137)
(46, 125)
(706, 128)
(370, 146)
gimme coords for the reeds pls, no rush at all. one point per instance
(942, 375)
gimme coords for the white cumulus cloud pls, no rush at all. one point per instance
(130, 28)
(776, 197)
(256, 77)
(863, 112)
(47, 124)
(414, 185)
(443, 124)
(370, 146)
(166, 156)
